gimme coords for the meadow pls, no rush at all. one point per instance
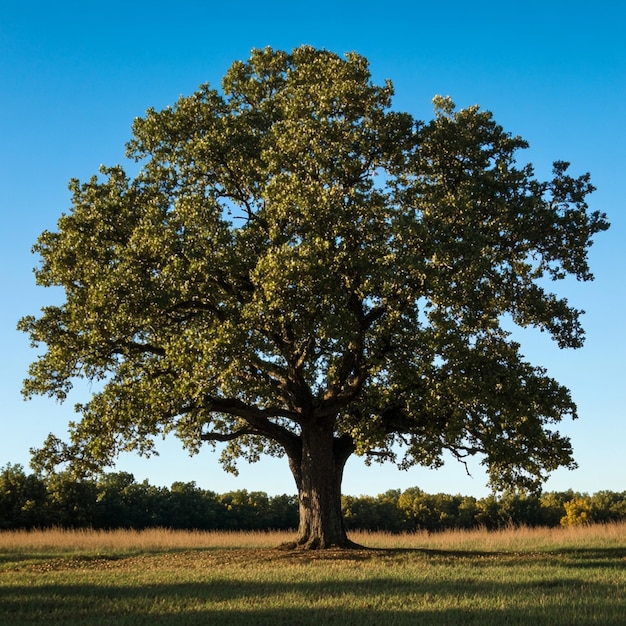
(565, 576)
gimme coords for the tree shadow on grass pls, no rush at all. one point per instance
(360, 602)
(592, 557)
(566, 557)
(20, 559)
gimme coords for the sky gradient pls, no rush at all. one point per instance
(74, 75)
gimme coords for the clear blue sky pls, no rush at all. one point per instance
(73, 75)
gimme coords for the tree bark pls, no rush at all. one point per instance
(318, 472)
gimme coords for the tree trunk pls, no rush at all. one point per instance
(318, 472)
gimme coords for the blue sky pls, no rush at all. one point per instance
(74, 75)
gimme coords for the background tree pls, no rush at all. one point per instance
(71, 503)
(367, 512)
(124, 503)
(22, 497)
(578, 512)
(552, 506)
(296, 269)
(188, 506)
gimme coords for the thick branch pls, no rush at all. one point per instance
(223, 437)
(193, 306)
(238, 408)
(353, 370)
(258, 422)
(273, 370)
(294, 381)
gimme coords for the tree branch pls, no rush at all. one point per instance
(194, 306)
(258, 422)
(223, 437)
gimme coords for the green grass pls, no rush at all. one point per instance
(539, 577)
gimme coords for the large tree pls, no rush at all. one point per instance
(298, 270)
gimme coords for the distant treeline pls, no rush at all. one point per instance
(116, 500)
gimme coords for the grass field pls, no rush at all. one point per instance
(568, 577)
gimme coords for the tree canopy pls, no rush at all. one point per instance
(298, 269)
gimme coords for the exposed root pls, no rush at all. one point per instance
(305, 543)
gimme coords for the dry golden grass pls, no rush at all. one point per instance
(150, 540)
(163, 540)
(513, 539)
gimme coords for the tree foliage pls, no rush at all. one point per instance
(298, 269)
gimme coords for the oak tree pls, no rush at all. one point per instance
(297, 269)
